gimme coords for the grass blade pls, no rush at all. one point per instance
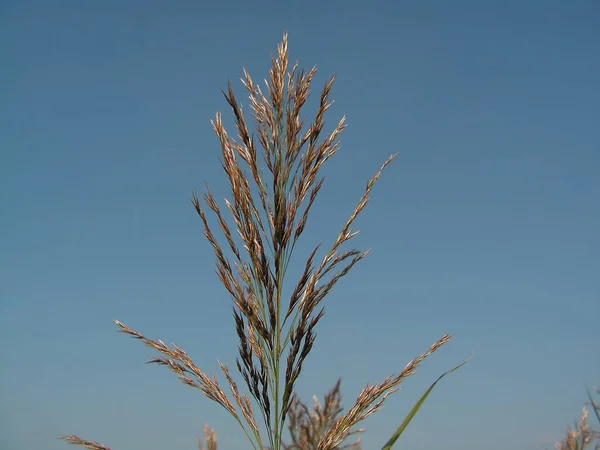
(593, 404)
(388, 445)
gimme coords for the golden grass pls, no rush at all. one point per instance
(580, 437)
(307, 427)
(270, 210)
(73, 439)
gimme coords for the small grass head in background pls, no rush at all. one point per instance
(582, 436)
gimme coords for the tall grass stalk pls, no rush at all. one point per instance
(274, 175)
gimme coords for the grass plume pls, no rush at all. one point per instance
(582, 436)
(307, 427)
(274, 173)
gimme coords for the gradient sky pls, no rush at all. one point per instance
(486, 226)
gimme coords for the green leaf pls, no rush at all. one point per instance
(416, 408)
(593, 404)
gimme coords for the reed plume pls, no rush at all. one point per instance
(307, 426)
(580, 437)
(274, 173)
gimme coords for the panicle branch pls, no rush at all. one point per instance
(307, 427)
(371, 399)
(73, 439)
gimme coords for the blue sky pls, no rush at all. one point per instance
(486, 226)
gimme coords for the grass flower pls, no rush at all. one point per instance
(274, 173)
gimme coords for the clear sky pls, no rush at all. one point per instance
(486, 226)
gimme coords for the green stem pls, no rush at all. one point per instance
(279, 270)
(277, 437)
